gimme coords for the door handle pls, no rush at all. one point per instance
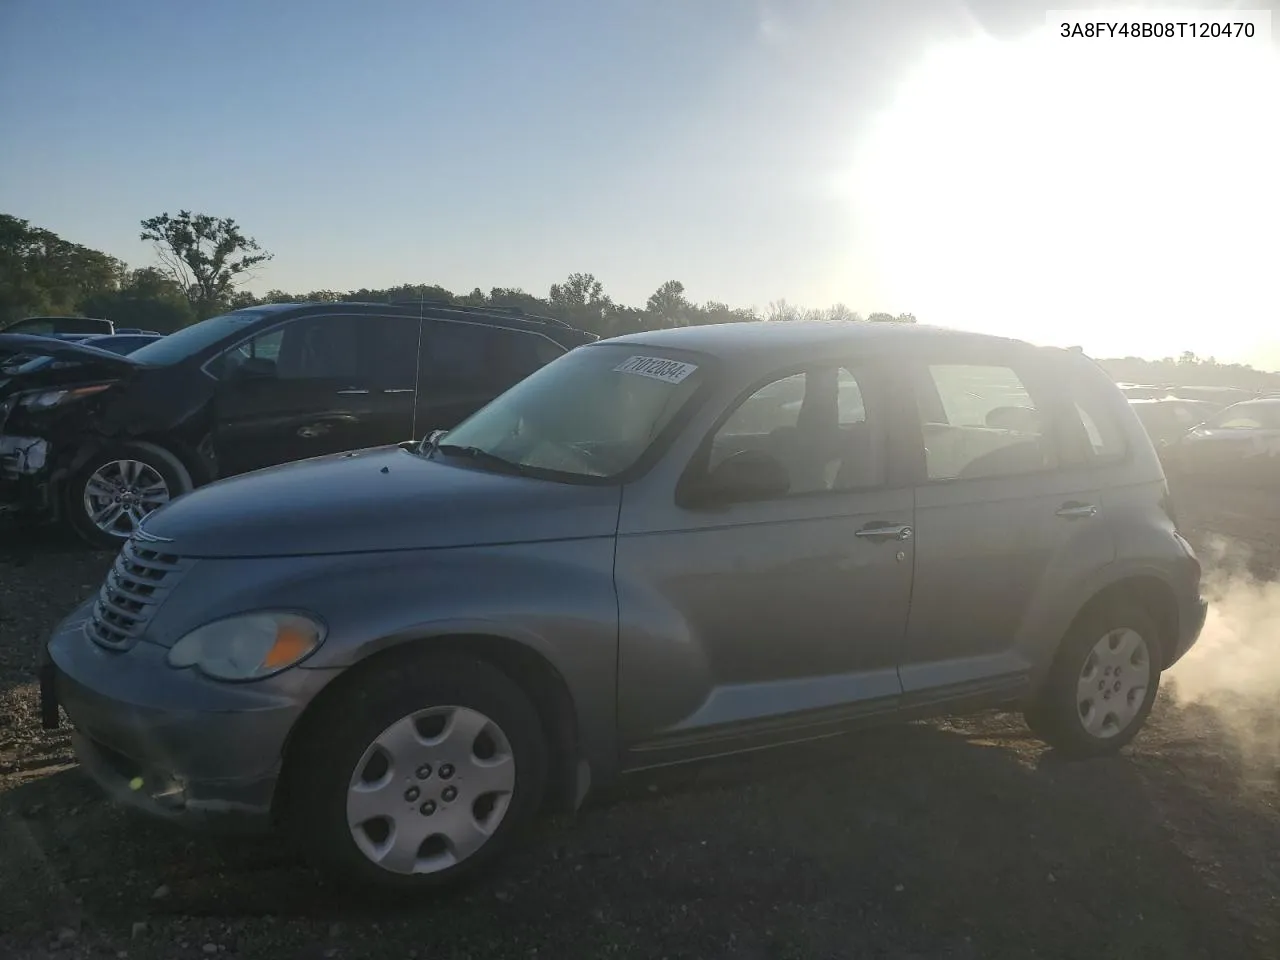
(352, 393)
(1077, 511)
(885, 531)
(398, 390)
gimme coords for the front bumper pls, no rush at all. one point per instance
(170, 742)
(24, 472)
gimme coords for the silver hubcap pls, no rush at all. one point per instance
(430, 790)
(121, 493)
(1113, 683)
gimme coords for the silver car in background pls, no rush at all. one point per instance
(656, 549)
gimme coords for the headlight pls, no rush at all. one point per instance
(248, 647)
(53, 398)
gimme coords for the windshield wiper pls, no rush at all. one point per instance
(482, 456)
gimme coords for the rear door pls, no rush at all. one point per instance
(313, 386)
(465, 365)
(1006, 514)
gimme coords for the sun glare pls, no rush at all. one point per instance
(1125, 197)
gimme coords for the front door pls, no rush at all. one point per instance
(778, 619)
(314, 386)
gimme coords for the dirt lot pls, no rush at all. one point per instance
(955, 839)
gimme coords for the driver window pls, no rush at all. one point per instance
(815, 424)
(264, 348)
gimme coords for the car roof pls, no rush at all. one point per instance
(509, 319)
(799, 339)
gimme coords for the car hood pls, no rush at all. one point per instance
(72, 363)
(26, 344)
(385, 498)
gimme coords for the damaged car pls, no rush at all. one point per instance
(47, 386)
(99, 440)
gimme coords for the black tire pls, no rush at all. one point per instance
(321, 765)
(1054, 715)
(74, 510)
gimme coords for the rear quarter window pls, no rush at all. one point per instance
(492, 358)
(1095, 424)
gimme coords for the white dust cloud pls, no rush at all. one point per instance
(1233, 672)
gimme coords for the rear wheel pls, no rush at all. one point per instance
(418, 775)
(1102, 684)
(109, 497)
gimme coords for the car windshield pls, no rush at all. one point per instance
(590, 414)
(191, 340)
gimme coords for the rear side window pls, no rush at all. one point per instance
(980, 421)
(375, 351)
(479, 357)
(1106, 439)
(1090, 430)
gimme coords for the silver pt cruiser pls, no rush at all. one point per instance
(657, 548)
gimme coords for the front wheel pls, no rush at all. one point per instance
(417, 775)
(1102, 684)
(107, 499)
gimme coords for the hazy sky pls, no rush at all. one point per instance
(928, 156)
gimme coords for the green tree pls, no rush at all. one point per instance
(713, 311)
(41, 273)
(780, 310)
(668, 305)
(514, 298)
(404, 291)
(838, 312)
(146, 298)
(581, 301)
(206, 256)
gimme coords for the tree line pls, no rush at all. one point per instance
(202, 262)
(1189, 370)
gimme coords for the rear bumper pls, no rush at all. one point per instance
(1190, 625)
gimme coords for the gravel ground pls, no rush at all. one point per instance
(959, 838)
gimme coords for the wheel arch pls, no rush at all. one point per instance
(196, 473)
(526, 667)
(1153, 594)
(90, 447)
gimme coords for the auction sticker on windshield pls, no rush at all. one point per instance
(657, 368)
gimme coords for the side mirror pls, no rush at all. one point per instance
(742, 477)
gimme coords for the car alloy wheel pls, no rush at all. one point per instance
(1113, 683)
(430, 790)
(120, 494)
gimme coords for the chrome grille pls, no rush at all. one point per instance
(137, 583)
